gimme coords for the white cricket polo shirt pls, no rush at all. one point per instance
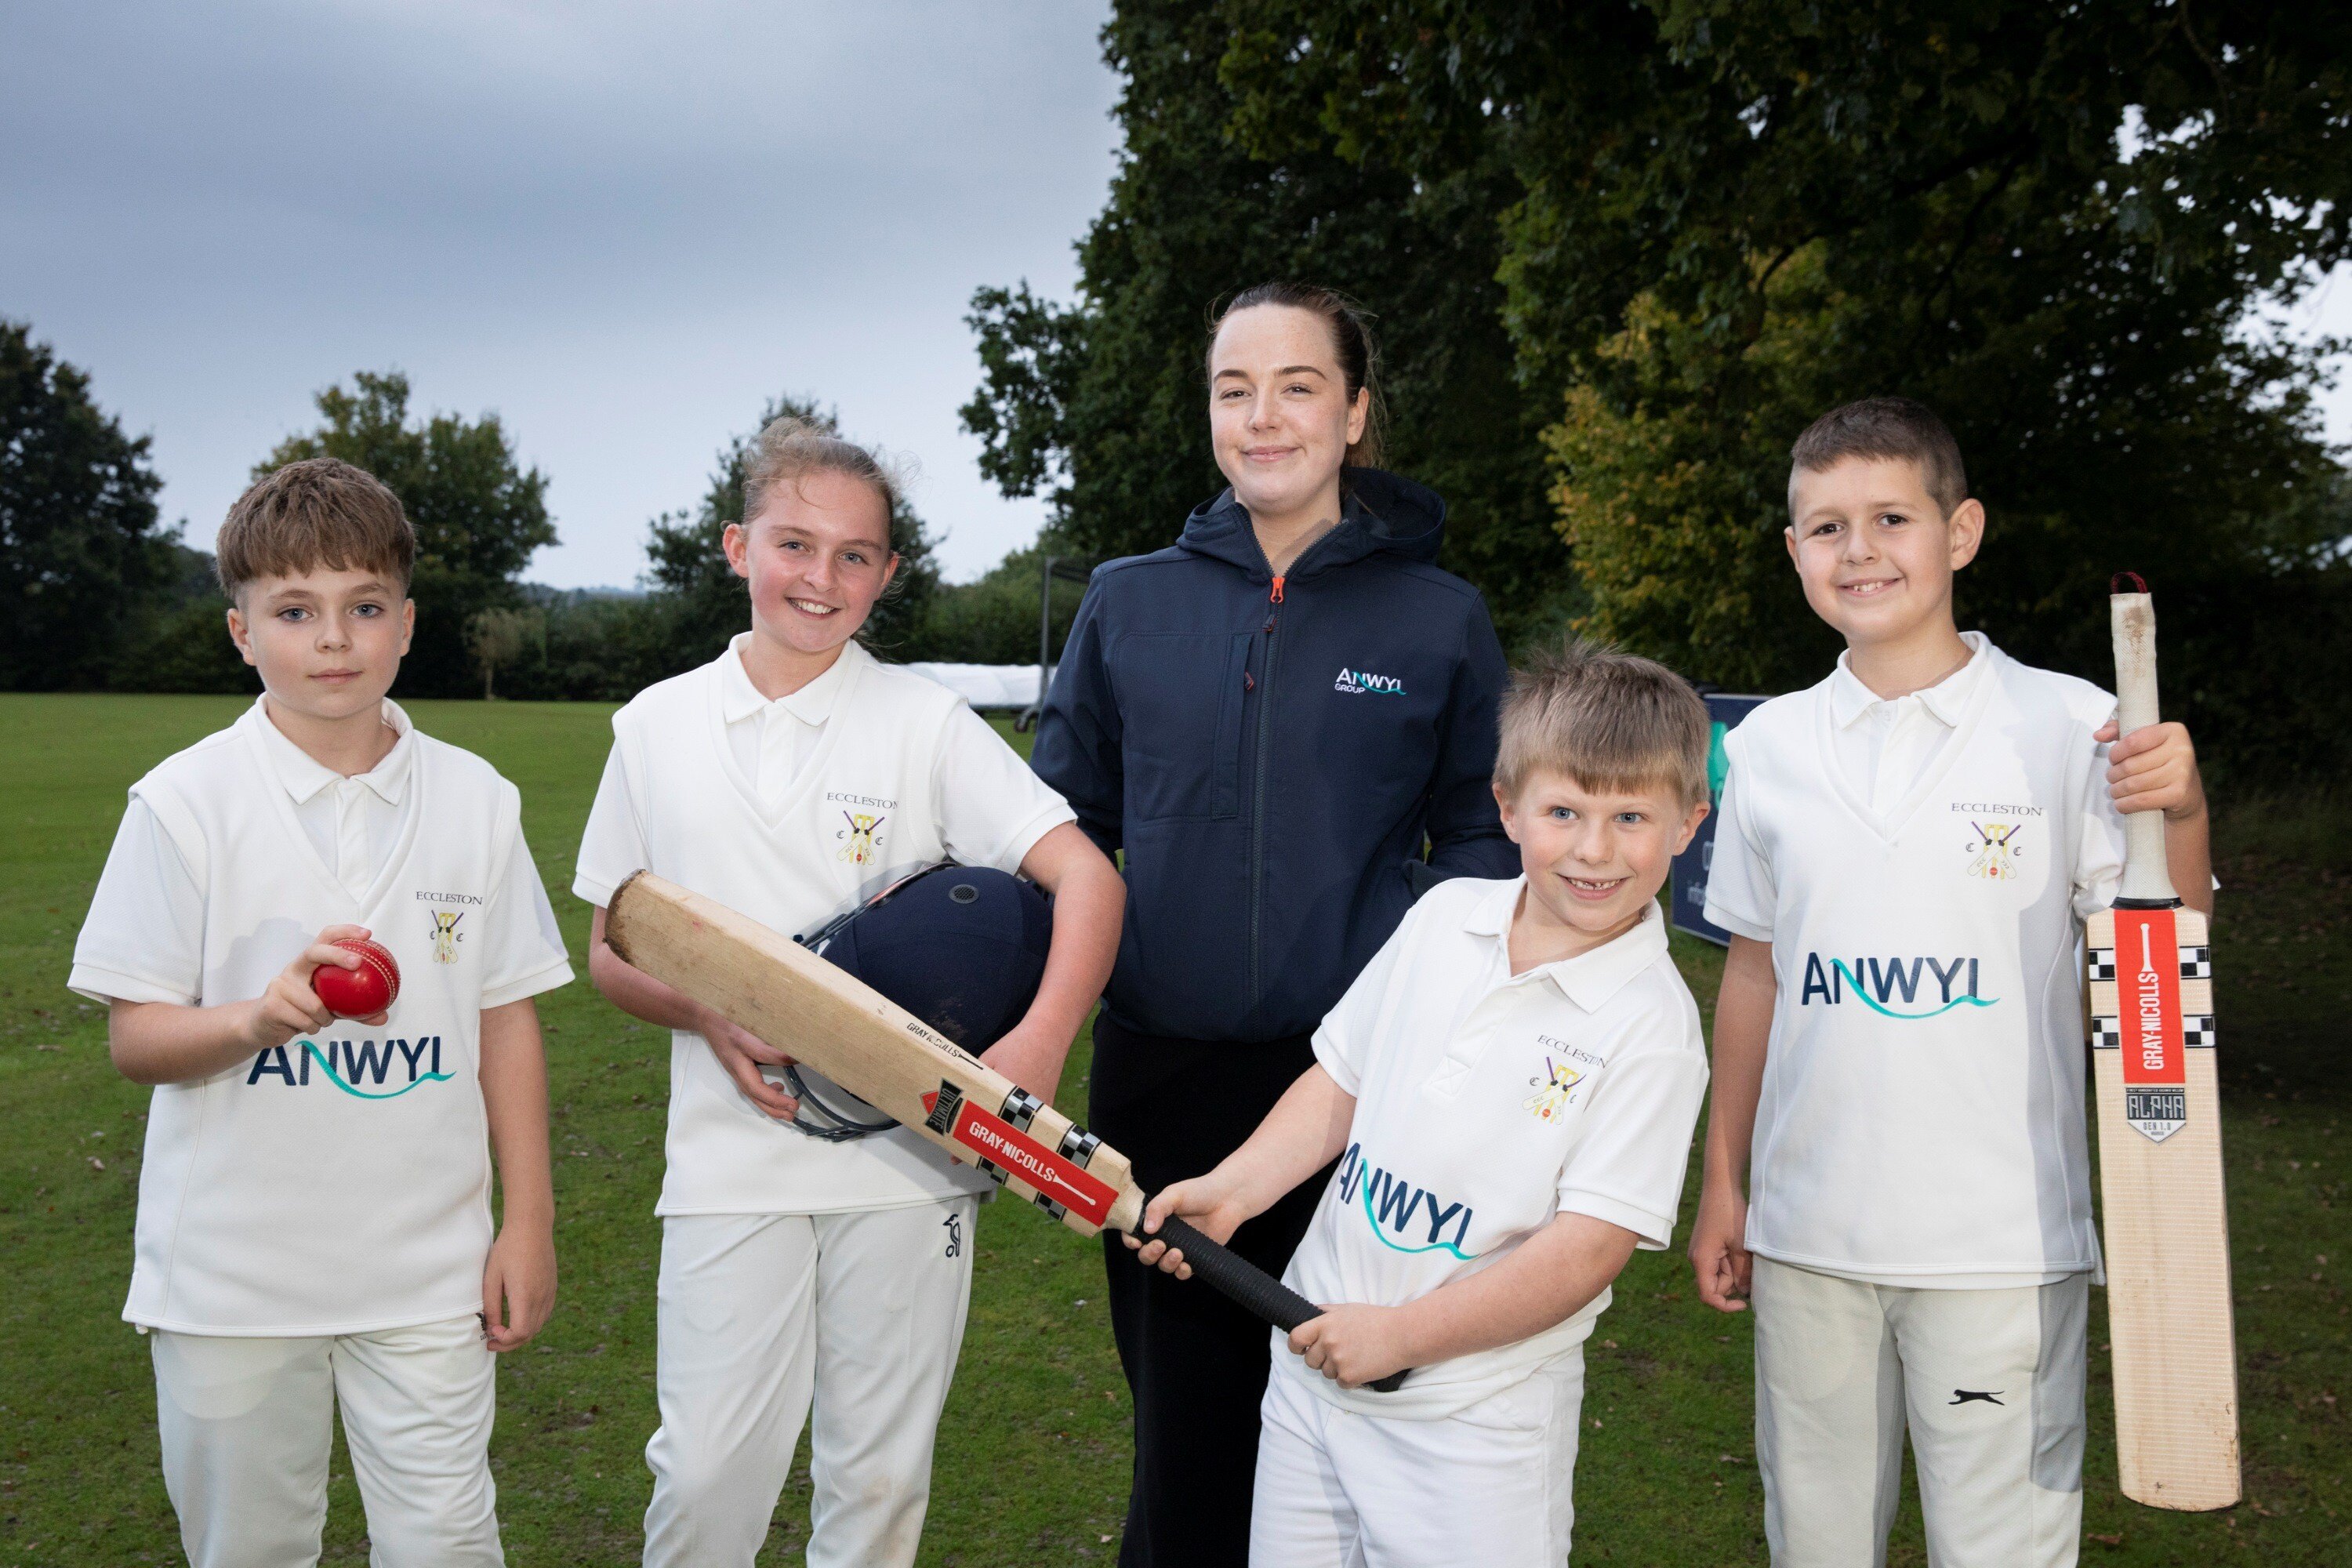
(902, 770)
(1488, 1104)
(1921, 1121)
(339, 1184)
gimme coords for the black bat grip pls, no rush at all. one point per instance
(1247, 1286)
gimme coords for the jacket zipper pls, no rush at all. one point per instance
(1258, 790)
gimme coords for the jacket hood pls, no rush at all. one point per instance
(1380, 513)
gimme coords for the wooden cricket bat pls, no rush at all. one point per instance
(2167, 1235)
(830, 1020)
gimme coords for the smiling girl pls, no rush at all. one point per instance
(1277, 719)
(779, 779)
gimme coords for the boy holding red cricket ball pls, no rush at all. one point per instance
(319, 933)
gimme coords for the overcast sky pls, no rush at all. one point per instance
(620, 226)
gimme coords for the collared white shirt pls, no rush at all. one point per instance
(772, 738)
(1885, 743)
(354, 821)
(1488, 1103)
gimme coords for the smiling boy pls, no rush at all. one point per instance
(1903, 855)
(1509, 1088)
(314, 1205)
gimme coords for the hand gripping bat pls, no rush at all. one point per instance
(768, 985)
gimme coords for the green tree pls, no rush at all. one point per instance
(480, 514)
(81, 553)
(1101, 404)
(2049, 223)
(688, 564)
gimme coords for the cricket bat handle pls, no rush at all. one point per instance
(2147, 876)
(1247, 1286)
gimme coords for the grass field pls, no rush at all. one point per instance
(1033, 1455)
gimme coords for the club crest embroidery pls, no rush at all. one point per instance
(862, 842)
(1994, 850)
(1550, 1101)
(446, 935)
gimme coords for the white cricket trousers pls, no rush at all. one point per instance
(759, 1313)
(1490, 1485)
(1989, 1383)
(246, 1426)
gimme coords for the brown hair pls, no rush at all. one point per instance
(1610, 720)
(1898, 430)
(320, 511)
(789, 448)
(1351, 339)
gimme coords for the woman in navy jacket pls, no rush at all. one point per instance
(1273, 719)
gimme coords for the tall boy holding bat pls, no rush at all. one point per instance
(1897, 1174)
(1509, 1089)
(779, 779)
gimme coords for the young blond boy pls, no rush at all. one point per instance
(1905, 853)
(1509, 1088)
(314, 1206)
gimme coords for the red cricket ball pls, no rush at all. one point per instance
(360, 993)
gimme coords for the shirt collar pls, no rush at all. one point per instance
(303, 775)
(1946, 699)
(812, 704)
(1591, 977)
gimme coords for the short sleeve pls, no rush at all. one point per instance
(143, 938)
(612, 846)
(524, 955)
(1741, 892)
(993, 809)
(1344, 1040)
(1628, 1167)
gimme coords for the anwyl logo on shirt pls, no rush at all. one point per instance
(1394, 1208)
(1894, 987)
(362, 1068)
(1363, 682)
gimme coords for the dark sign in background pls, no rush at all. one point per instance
(1688, 904)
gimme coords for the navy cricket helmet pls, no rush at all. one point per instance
(960, 947)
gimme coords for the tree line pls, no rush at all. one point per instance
(106, 597)
(1623, 254)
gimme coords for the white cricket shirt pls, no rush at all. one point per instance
(901, 771)
(1486, 1105)
(1921, 1121)
(340, 1183)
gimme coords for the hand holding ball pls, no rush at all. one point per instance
(360, 993)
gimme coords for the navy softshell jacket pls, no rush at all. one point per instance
(1271, 752)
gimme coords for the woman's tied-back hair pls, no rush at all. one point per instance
(1897, 429)
(1350, 326)
(319, 512)
(788, 449)
(1611, 721)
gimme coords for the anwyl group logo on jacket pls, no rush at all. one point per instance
(1394, 1208)
(366, 1069)
(1360, 682)
(1893, 987)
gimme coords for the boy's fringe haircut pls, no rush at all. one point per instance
(319, 512)
(1611, 721)
(1898, 430)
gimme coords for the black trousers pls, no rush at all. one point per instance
(1195, 1363)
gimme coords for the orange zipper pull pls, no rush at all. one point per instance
(1277, 590)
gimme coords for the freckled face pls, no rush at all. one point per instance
(817, 557)
(1873, 550)
(327, 643)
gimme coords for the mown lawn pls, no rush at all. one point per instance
(1033, 1454)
